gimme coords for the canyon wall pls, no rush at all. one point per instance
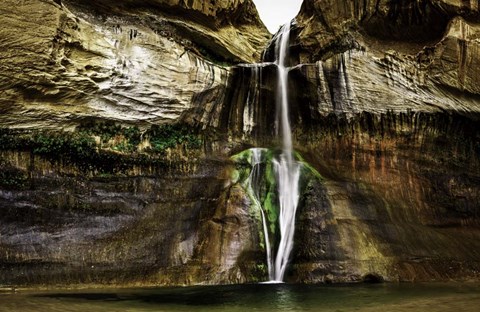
(119, 119)
(388, 113)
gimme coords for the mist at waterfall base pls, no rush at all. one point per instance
(258, 297)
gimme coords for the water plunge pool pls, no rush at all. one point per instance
(463, 297)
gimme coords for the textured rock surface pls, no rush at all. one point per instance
(393, 97)
(400, 199)
(327, 27)
(385, 105)
(62, 64)
(228, 31)
(351, 71)
(380, 56)
(65, 63)
(183, 223)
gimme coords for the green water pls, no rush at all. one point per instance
(438, 297)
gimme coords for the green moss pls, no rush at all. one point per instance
(133, 135)
(307, 170)
(235, 176)
(105, 130)
(266, 187)
(78, 146)
(12, 178)
(272, 210)
(242, 158)
(270, 201)
(128, 139)
(14, 139)
(169, 136)
(116, 153)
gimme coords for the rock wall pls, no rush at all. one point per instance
(400, 199)
(332, 26)
(171, 222)
(63, 63)
(96, 209)
(384, 105)
(388, 114)
(389, 117)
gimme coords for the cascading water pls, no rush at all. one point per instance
(286, 168)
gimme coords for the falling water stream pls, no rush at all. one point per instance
(287, 171)
(286, 168)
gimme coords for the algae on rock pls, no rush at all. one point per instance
(256, 174)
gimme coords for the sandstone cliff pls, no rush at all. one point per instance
(381, 56)
(384, 102)
(99, 204)
(398, 84)
(63, 62)
(385, 105)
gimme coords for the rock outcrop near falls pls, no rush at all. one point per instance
(99, 205)
(385, 105)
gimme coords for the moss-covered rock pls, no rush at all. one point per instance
(255, 172)
(105, 148)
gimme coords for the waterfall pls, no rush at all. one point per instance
(287, 170)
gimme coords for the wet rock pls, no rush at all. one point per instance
(391, 202)
(326, 27)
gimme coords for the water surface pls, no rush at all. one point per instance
(268, 297)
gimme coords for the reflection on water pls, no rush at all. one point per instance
(285, 299)
(278, 297)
